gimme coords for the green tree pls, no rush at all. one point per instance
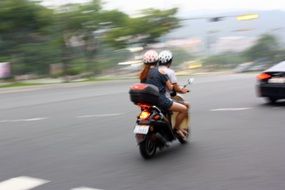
(24, 34)
(85, 24)
(266, 47)
(145, 29)
(224, 61)
(32, 36)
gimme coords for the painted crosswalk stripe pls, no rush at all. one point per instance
(85, 188)
(21, 183)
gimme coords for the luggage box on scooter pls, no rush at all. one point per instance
(141, 93)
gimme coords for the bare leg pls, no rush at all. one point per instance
(179, 118)
(182, 113)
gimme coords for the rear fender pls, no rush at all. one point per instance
(140, 138)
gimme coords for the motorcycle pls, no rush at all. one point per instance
(154, 126)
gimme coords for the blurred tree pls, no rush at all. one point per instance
(32, 36)
(82, 27)
(266, 47)
(224, 61)
(23, 26)
(145, 29)
(280, 56)
(180, 56)
(74, 24)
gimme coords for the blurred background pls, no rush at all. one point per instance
(73, 135)
(86, 39)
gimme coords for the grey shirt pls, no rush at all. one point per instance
(172, 78)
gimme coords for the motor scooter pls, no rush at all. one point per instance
(154, 126)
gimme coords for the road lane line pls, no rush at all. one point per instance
(23, 120)
(35, 119)
(231, 109)
(100, 115)
(16, 91)
(21, 183)
(85, 188)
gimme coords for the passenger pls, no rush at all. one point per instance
(165, 61)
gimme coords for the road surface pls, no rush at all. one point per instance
(80, 138)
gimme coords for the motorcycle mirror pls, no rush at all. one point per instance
(190, 80)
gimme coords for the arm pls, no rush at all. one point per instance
(178, 89)
(169, 85)
(165, 77)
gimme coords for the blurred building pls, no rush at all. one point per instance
(193, 45)
(232, 44)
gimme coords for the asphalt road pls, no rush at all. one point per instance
(71, 137)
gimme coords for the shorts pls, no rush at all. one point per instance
(165, 103)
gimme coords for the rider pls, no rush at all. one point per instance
(165, 60)
(156, 76)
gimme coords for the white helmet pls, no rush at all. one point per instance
(150, 57)
(165, 57)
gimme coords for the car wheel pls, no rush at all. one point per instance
(271, 100)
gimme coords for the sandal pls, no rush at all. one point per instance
(185, 132)
(181, 133)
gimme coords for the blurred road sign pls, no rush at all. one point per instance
(221, 18)
(247, 17)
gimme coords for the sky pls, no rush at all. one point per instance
(185, 6)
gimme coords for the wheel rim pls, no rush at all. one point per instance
(150, 147)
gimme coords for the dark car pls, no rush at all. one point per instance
(271, 83)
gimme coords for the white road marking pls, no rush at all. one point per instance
(23, 120)
(16, 91)
(85, 188)
(35, 119)
(21, 183)
(100, 115)
(230, 109)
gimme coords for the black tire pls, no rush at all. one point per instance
(147, 148)
(271, 100)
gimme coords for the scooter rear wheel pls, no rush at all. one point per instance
(147, 148)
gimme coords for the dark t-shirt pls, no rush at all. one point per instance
(154, 77)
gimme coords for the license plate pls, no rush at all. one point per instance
(277, 80)
(141, 129)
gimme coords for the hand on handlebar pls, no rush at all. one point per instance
(184, 90)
